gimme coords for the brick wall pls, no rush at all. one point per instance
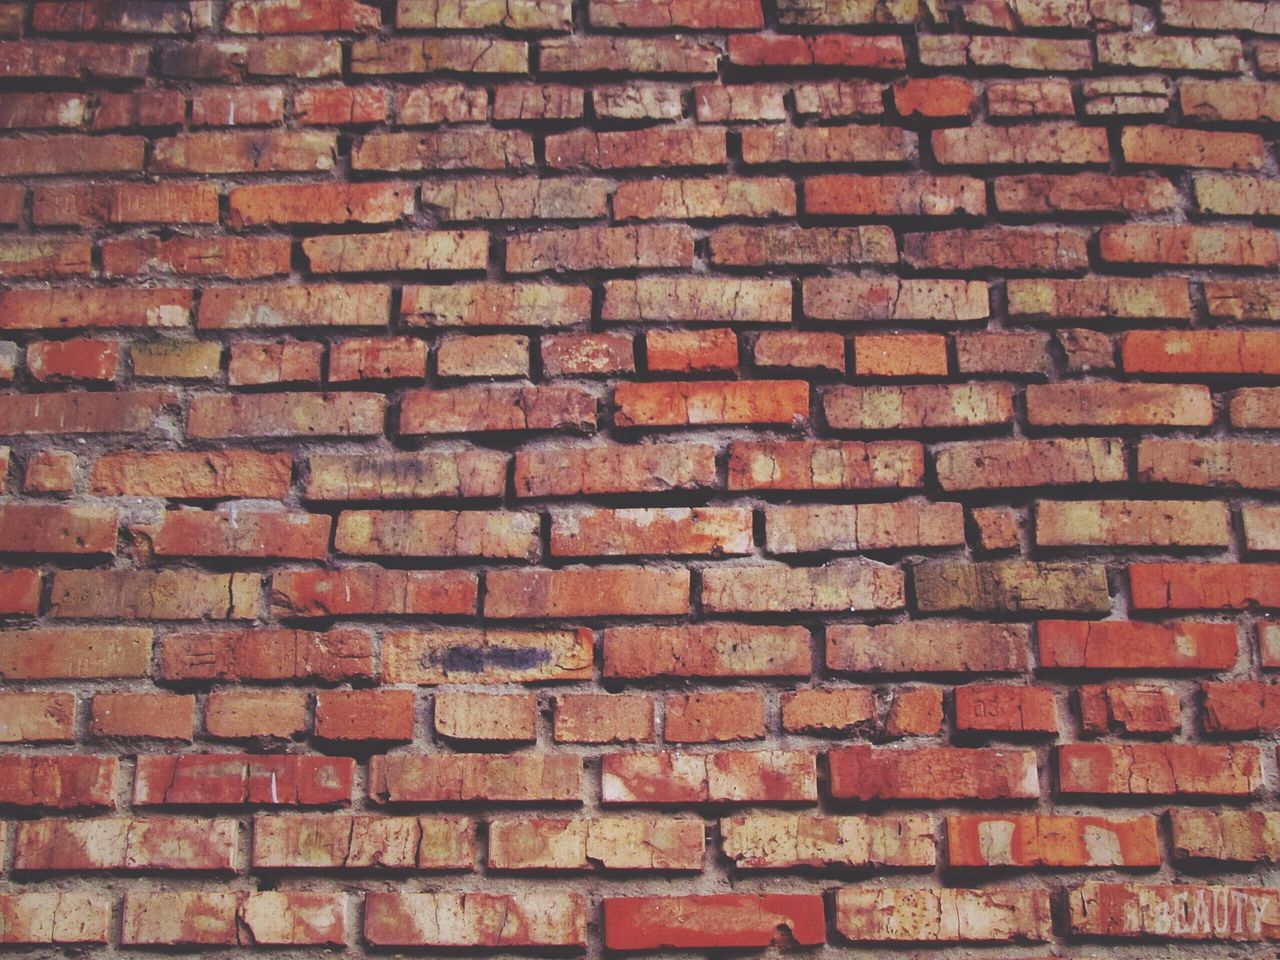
(577, 476)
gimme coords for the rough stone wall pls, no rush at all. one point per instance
(562, 477)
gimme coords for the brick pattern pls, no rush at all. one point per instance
(582, 477)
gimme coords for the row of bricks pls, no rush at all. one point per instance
(576, 408)
(653, 468)
(1228, 839)
(586, 248)
(861, 773)
(691, 198)
(715, 531)
(531, 103)
(367, 590)
(687, 300)
(440, 655)
(369, 360)
(465, 148)
(1193, 912)
(703, 717)
(271, 17)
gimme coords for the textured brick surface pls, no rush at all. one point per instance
(560, 478)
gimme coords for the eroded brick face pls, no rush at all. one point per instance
(583, 478)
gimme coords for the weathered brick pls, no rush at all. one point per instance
(491, 718)
(1134, 708)
(331, 841)
(443, 150)
(1174, 911)
(455, 250)
(500, 407)
(154, 595)
(1033, 97)
(822, 50)
(1203, 586)
(713, 716)
(861, 527)
(1171, 146)
(698, 300)
(61, 782)
(1207, 54)
(841, 585)
(1233, 836)
(824, 465)
(601, 248)
(37, 717)
(1131, 645)
(806, 145)
(571, 471)
(345, 715)
(895, 196)
(1024, 145)
(709, 198)
(1192, 246)
(1136, 769)
(1241, 707)
(192, 476)
(706, 650)
(843, 298)
(266, 654)
(1140, 523)
(248, 714)
(693, 922)
(613, 843)
(1052, 841)
(126, 843)
(1011, 586)
(586, 592)
(286, 415)
(1118, 404)
(455, 920)
(738, 776)
(1005, 248)
(55, 917)
(828, 710)
(684, 351)
(319, 203)
(161, 716)
(605, 718)
(933, 646)
(369, 589)
(220, 779)
(679, 403)
(490, 778)
(1101, 298)
(275, 307)
(932, 773)
(918, 407)
(895, 914)
(406, 476)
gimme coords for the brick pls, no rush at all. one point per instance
(331, 106)
(612, 843)
(1118, 404)
(1243, 300)
(372, 590)
(1203, 246)
(126, 843)
(244, 152)
(895, 196)
(497, 355)
(1020, 53)
(1007, 248)
(406, 476)
(1012, 586)
(713, 921)
(193, 360)
(237, 108)
(539, 15)
(998, 528)
(266, 654)
(1138, 523)
(709, 198)
(786, 841)
(37, 717)
(332, 841)
(1173, 911)
(209, 779)
(201, 533)
(78, 309)
(739, 776)
(327, 203)
(394, 358)
(1162, 298)
(1260, 527)
(424, 55)
(286, 415)
(243, 715)
(81, 412)
(112, 18)
(1200, 351)
(840, 585)
(1229, 836)
(50, 471)
(1181, 770)
(636, 532)
(653, 101)
(537, 101)
(211, 475)
(44, 258)
(1238, 100)
(601, 248)
(500, 407)
(730, 15)
(346, 715)
(586, 592)
(569, 471)
(895, 914)
(860, 527)
(286, 362)
(55, 917)
(900, 355)
(1241, 707)
(431, 250)
(1171, 146)
(685, 351)
(278, 307)
(490, 778)
(835, 98)
(629, 55)
(282, 16)
(678, 403)
(494, 304)
(1139, 708)
(803, 351)
(914, 711)
(843, 298)
(933, 97)
(933, 646)
(58, 528)
(706, 650)
(808, 145)
(61, 782)
(443, 150)
(209, 919)
(587, 354)
(72, 154)
(651, 147)
(1236, 196)
(154, 595)
(932, 773)
(1202, 586)
(437, 533)
(821, 50)
(1131, 645)
(79, 359)
(713, 716)
(1207, 54)
(795, 246)
(562, 198)
(146, 108)
(1035, 97)
(1024, 145)
(71, 59)
(540, 919)
(1000, 708)
(486, 656)
(827, 710)
(488, 717)
(918, 406)
(1083, 192)
(159, 716)
(1025, 354)
(698, 300)
(1052, 841)
(76, 653)
(604, 718)
(718, 104)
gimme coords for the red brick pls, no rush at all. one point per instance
(946, 915)
(72, 59)
(334, 840)
(807, 145)
(313, 305)
(698, 300)
(237, 108)
(365, 715)
(1196, 586)
(803, 351)
(862, 527)
(827, 710)
(686, 351)
(915, 407)
(496, 355)
(987, 840)
(933, 97)
(715, 921)
(1172, 146)
(825, 50)
(74, 309)
(55, 917)
(1132, 645)
(406, 476)
(210, 919)
(45, 257)
(196, 476)
(161, 716)
(1189, 246)
(438, 533)
(914, 712)
(706, 650)
(63, 782)
(238, 533)
(1003, 248)
(496, 304)
(486, 717)
(217, 416)
(932, 646)
(57, 528)
(586, 592)
(677, 403)
(534, 101)
(720, 15)
(932, 773)
(1165, 298)
(146, 108)
(713, 716)
(595, 54)
(1083, 192)
(1207, 463)
(497, 921)
(75, 653)
(1118, 404)
(651, 147)
(244, 152)
(1023, 145)
(587, 354)
(1241, 707)
(499, 407)
(895, 196)
(900, 355)
(331, 106)
(72, 154)
(266, 654)
(1033, 97)
(1174, 911)
(471, 777)
(601, 248)
(997, 707)
(629, 532)
(226, 778)
(603, 718)
(371, 590)
(37, 717)
(718, 104)
(840, 585)
(1158, 769)
(824, 465)
(282, 16)
(1239, 352)
(288, 362)
(373, 252)
(737, 776)
(1130, 708)
(439, 656)
(126, 843)
(571, 471)
(250, 714)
